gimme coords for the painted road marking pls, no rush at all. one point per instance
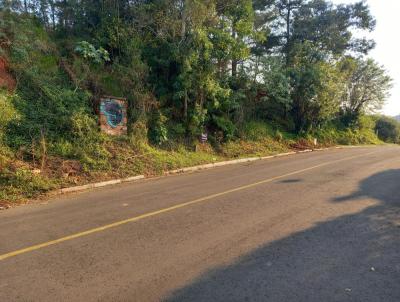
(166, 210)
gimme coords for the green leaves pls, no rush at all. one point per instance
(208, 65)
(368, 86)
(89, 52)
(316, 88)
(388, 129)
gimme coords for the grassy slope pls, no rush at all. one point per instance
(22, 178)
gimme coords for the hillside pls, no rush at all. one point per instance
(194, 93)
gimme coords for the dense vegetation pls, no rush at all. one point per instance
(258, 76)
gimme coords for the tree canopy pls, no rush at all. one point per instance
(191, 66)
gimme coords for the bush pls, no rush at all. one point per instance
(7, 113)
(21, 182)
(256, 131)
(388, 129)
(225, 125)
(335, 134)
(89, 52)
(158, 131)
(88, 143)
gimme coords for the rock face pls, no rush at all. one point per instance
(6, 79)
(397, 117)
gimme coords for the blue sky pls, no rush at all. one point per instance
(387, 51)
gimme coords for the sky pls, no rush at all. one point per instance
(387, 51)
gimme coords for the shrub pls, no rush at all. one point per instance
(388, 129)
(225, 125)
(7, 113)
(88, 143)
(256, 131)
(158, 131)
(89, 52)
(21, 182)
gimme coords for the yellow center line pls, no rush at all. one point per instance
(165, 210)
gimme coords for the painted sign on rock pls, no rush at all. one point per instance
(113, 119)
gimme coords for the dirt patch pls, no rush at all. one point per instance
(6, 79)
(4, 205)
(302, 144)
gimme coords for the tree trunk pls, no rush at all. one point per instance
(185, 106)
(288, 15)
(53, 14)
(234, 60)
(234, 68)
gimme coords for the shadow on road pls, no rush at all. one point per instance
(351, 258)
(290, 181)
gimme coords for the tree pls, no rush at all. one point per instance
(196, 65)
(237, 16)
(327, 26)
(367, 87)
(315, 88)
(276, 17)
(330, 27)
(273, 101)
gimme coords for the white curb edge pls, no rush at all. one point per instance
(184, 170)
(100, 184)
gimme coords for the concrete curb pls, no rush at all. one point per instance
(100, 184)
(196, 168)
(184, 170)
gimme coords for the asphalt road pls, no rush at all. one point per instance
(322, 226)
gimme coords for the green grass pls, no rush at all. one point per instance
(332, 136)
(91, 156)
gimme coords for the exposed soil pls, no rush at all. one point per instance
(7, 81)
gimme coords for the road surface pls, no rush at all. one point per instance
(321, 226)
